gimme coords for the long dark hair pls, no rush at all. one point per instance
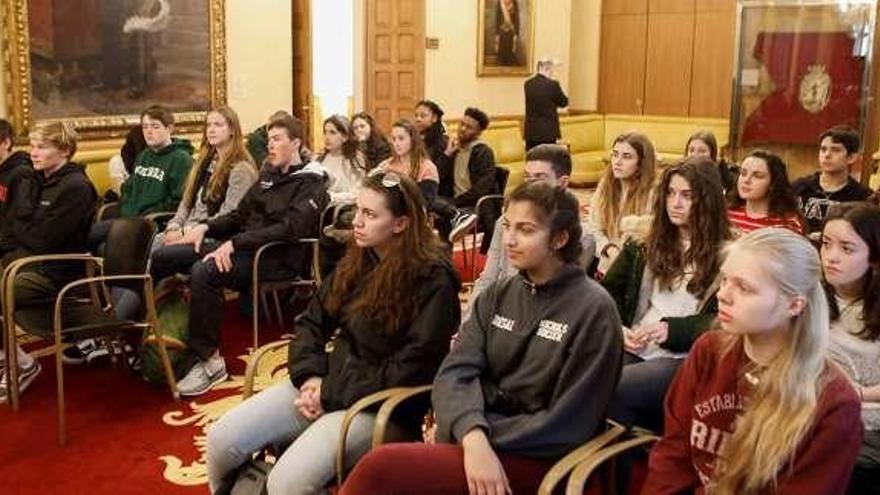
(363, 287)
(864, 218)
(377, 137)
(783, 203)
(350, 146)
(134, 144)
(708, 228)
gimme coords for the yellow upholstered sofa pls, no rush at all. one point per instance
(875, 178)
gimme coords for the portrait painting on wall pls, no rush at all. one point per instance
(505, 37)
(99, 63)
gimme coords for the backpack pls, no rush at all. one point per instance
(172, 311)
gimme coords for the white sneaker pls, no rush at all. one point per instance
(26, 376)
(202, 377)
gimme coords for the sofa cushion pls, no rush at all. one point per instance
(583, 133)
(668, 134)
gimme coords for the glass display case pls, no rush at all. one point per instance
(802, 66)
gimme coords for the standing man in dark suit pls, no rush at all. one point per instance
(543, 96)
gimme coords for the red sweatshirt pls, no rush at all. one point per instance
(707, 395)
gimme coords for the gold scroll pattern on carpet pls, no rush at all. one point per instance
(271, 369)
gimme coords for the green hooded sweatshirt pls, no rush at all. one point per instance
(158, 179)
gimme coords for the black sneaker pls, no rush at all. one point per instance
(26, 376)
(461, 222)
(78, 352)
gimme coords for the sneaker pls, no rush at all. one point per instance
(202, 376)
(461, 222)
(25, 377)
(79, 352)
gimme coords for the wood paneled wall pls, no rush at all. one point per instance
(667, 57)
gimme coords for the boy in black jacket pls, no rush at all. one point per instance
(64, 209)
(17, 180)
(839, 150)
(284, 205)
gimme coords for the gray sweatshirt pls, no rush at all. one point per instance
(535, 366)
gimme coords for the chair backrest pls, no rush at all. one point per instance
(501, 177)
(128, 246)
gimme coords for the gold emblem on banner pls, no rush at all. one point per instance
(815, 89)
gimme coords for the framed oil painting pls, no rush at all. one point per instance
(505, 38)
(99, 63)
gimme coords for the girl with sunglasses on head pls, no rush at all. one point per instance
(383, 319)
(851, 264)
(530, 376)
(757, 407)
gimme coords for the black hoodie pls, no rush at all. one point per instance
(435, 141)
(278, 207)
(535, 366)
(364, 358)
(64, 212)
(18, 189)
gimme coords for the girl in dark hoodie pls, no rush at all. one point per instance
(429, 121)
(531, 375)
(394, 300)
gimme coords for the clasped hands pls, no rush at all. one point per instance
(222, 256)
(635, 340)
(309, 401)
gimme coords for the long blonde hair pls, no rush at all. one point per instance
(238, 153)
(610, 190)
(781, 411)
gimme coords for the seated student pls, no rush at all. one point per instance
(624, 190)
(257, 142)
(664, 288)
(763, 196)
(371, 140)
(851, 264)
(467, 168)
(394, 300)
(757, 407)
(343, 161)
(122, 165)
(17, 180)
(531, 375)
(284, 205)
(839, 149)
(550, 164)
(223, 174)
(704, 144)
(64, 207)
(160, 172)
(428, 120)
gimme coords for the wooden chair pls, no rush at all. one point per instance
(74, 316)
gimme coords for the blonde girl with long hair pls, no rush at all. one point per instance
(757, 407)
(223, 173)
(624, 190)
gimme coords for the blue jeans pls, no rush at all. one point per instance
(270, 418)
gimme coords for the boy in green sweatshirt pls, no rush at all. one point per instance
(160, 170)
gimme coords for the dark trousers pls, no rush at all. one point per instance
(638, 400)
(207, 284)
(98, 236)
(433, 470)
(178, 258)
(866, 474)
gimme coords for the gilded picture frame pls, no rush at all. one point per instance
(505, 37)
(99, 77)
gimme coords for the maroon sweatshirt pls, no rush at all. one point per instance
(709, 392)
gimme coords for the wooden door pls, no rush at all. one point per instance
(395, 59)
(302, 63)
